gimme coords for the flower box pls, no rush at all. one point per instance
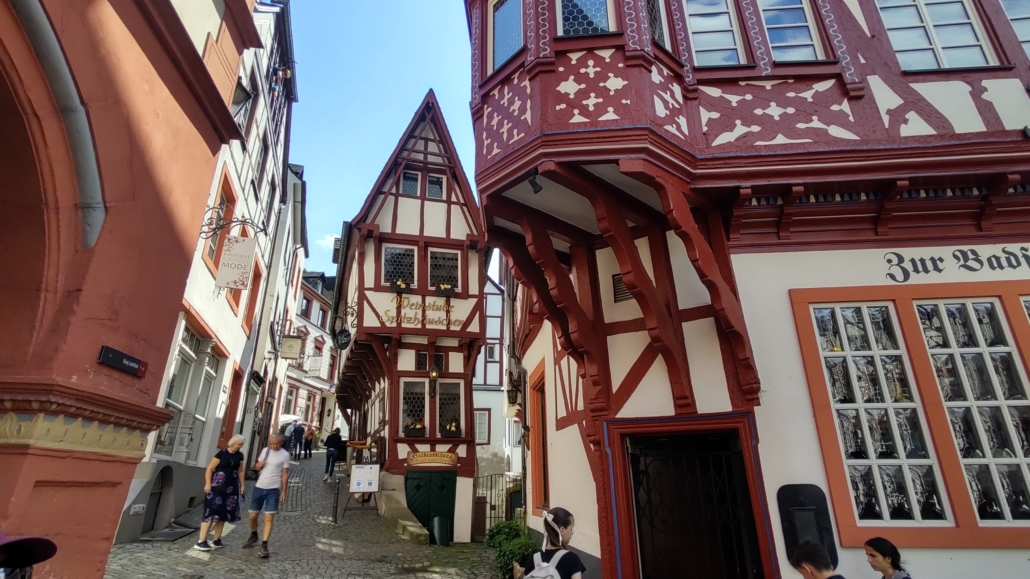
(444, 292)
(400, 287)
(414, 432)
(456, 433)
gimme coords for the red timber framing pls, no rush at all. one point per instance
(624, 562)
(422, 200)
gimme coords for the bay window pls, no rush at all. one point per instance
(790, 26)
(505, 29)
(714, 32)
(930, 34)
(580, 17)
(656, 18)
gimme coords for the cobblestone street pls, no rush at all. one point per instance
(304, 545)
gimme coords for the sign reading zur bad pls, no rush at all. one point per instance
(902, 268)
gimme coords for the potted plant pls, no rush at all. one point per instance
(414, 429)
(451, 430)
(444, 290)
(400, 286)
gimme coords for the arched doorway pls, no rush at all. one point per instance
(22, 230)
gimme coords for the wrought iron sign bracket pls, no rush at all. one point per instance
(214, 222)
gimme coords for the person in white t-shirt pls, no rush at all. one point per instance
(270, 490)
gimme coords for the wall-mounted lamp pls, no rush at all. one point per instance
(537, 187)
(434, 374)
(513, 396)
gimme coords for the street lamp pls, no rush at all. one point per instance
(434, 374)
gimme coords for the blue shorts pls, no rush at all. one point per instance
(265, 500)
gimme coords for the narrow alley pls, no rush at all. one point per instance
(304, 545)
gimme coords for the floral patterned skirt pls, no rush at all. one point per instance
(223, 502)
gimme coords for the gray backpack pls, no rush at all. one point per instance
(548, 570)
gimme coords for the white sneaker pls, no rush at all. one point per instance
(326, 479)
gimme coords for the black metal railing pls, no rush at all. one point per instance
(498, 497)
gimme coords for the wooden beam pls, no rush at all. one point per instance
(727, 307)
(576, 178)
(510, 210)
(660, 317)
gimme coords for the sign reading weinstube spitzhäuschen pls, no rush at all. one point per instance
(235, 269)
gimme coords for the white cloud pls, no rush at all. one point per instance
(327, 241)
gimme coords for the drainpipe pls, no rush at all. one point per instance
(76, 124)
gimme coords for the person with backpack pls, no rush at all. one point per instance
(554, 561)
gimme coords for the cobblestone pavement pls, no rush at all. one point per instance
(305, 545)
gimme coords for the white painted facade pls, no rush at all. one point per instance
(219, 331)
(489, 399)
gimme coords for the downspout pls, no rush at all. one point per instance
(76, 124)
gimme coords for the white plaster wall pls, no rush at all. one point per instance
(409, 215)
(370, 264)
(690, 292)
(707, 373)
(436, 219)
(455, 362)
(789, 446)
(491, 455)
(385, 218)
(406, 360)
(459, 229)
(463, 510)
(623, 351)
(653, 397)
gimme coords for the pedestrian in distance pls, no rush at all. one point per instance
(18, 555)
(812, 561)
(297, 443)
(309, 439)
(223, 492)
(334, 447)
(288, 436)
(554, 561)
(270, 490)
(885, 558)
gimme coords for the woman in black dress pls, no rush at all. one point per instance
(559, 525)
(223, 483)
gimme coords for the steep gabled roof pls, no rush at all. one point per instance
(429, 124)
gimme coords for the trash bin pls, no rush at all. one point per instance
(440, 531)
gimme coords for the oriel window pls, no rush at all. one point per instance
(506, 30)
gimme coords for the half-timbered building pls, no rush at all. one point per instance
(773, 267)
(410, 323)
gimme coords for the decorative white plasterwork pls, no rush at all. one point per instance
(781, 140)
(774, 111)
(738, 130)
(856, 11)
(833, 130)
(613, 83)
(846, 107)
(705, 116)
(718, 92)
(817, 87)
(570, 86)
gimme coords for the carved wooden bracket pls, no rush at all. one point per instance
(727, 307)
(988, 206)
(890, 199)
(787, 212)
(662, 321)
(737, 219)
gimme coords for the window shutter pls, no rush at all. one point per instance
(619, 287)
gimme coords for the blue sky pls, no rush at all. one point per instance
(363, 67)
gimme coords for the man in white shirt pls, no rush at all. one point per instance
(270, 490)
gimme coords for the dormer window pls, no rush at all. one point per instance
(409, 184)
(579, 17)
(506, 31)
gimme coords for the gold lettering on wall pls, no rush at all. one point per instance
(413, 312)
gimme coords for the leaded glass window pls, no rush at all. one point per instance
(1018, 12)
(409, 184)
(449, 405)
(929, 34)
(398, 264)
(444, 268)
(434, 187)
(789, 25)
(882, 431)
(981, 380)
(413, 404)
(584, 17)
(656, 17)
(507, 30)
(422, 361)
(713, 32)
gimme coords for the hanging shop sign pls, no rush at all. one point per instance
(905, 266)
(413, 311)
(290, 347)
(444, 458)
(234, 271)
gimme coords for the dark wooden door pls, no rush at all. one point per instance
(431, 493)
